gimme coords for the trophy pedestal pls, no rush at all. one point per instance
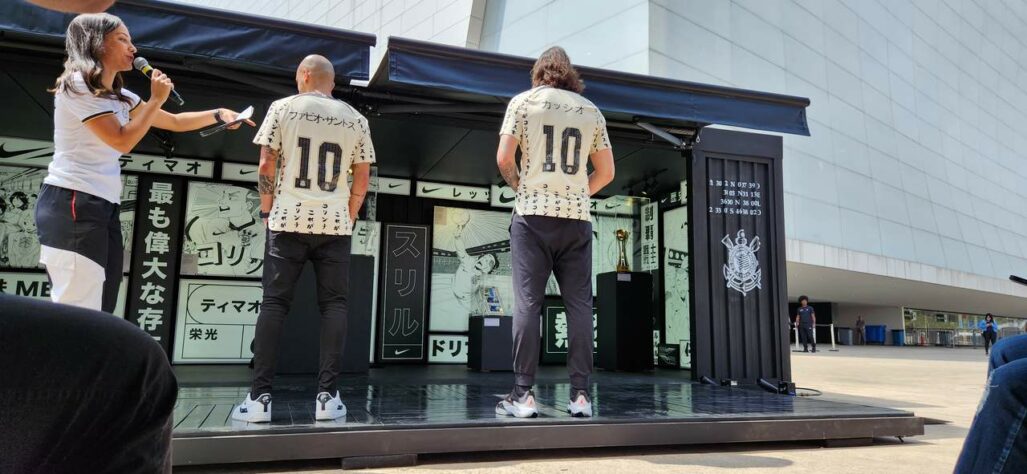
(625, 321)
(490, 343)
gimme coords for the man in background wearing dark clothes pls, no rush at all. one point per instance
(81, 391)
(806, 320)
(861, 331)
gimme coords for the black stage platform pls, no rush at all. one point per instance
(447, 409)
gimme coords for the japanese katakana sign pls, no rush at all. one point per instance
(39, 154)
(452, 192)
(216, 320)
(404, 290)
(447, 349)
(174, 166)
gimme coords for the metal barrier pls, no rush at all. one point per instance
(834, 347)
(931, 337)
(926, 337)
(953, 337)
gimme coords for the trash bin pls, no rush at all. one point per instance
(845, 336)
(898, 337)
(875, 334)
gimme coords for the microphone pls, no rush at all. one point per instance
(143, 66)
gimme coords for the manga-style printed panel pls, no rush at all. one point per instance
(19, 190)
(217, 318)
(223, 232)
(470, 257)
(676, 265)
(366, 240)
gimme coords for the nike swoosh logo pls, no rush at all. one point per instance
(506, 200)
(427, 190)
(244, 172)
(615, 206)
(394, 186)
(8, 154)
(404, 351)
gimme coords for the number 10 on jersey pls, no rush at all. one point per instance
(324, 182)
(566, 151)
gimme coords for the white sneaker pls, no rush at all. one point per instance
(254, 411)
(523, 407)
(581, 406)
(329, 407)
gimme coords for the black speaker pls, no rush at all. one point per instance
(625, 321)
(299, 349)
(490, 343)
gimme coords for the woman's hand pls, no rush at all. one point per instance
(228, 115)
(160, 87)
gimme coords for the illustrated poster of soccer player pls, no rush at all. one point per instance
(470, 254)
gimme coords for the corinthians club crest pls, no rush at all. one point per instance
(742, 271)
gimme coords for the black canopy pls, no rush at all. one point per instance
(485, 77)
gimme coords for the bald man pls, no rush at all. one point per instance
(311, 140)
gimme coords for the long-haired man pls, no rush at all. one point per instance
(551, 230)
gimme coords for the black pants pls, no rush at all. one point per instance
(989, 339)
(285, 255)
(540, 246)
(806, 337)
(81, 391)
(81, 246)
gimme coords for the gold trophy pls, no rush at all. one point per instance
(622, 259)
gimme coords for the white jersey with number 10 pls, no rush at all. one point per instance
(557, 131)
(318, 138)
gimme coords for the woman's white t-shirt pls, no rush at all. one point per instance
(81, 160)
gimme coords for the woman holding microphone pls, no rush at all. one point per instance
(96, 120)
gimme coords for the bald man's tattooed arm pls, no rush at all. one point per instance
(266, 178)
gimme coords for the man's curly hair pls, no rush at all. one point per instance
(553, 68)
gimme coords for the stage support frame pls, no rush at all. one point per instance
(258, 447)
